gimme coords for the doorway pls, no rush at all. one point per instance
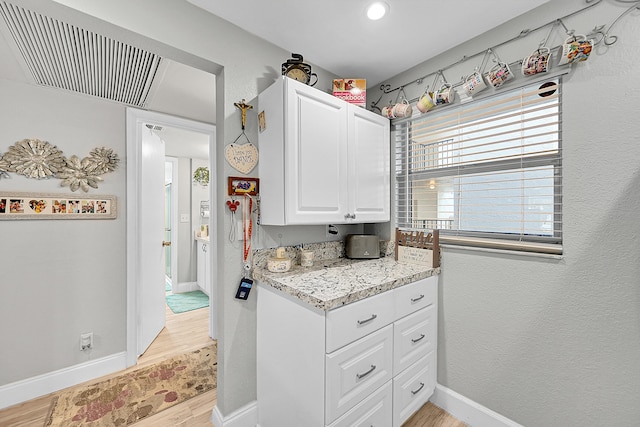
(136, 309)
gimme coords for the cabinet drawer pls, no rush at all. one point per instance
(414, 337)
(375, 410)
(412, 388)
(414, 296)
(355, 371)
(351, 322)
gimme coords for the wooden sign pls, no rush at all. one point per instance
(415, 255)
(242, 157)
(418, 247)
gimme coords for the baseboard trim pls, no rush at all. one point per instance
(468, 411)
(247, 416)
(21, 391)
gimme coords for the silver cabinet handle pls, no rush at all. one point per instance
(361, 376)
(417, 299)
(414, 392)
(362, 322)
(417, 339)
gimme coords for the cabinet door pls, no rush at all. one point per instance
(413, 387)
(200, 264)
(207, 270)
(413, 338)
(315, 156)
(355, 371)
(369, 166)
(375, 410)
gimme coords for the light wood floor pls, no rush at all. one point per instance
(185, 332)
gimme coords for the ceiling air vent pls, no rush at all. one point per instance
(68, 57)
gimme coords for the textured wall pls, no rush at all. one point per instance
(60, 278)
(557, 342)
(248, 66)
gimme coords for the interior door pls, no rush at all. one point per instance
(151, 297)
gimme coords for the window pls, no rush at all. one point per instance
(486, 173)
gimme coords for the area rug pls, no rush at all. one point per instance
(126, 399)
(187, 301)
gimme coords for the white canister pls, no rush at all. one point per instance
(278, 265)
(306, 258)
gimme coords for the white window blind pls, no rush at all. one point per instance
(486, 173)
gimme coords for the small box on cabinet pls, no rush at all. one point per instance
(354, 91)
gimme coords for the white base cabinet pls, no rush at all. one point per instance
(372, 362)
(203, 269)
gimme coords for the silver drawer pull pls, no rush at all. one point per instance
(414, 392)
(362, 322)
(417, 299)
(361, 376)
(418, 339)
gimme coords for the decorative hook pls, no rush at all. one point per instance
(404, 95)
(569, 32)
(233, 205)
(385, 88)
(597, 35)
(544, 42)
(609, 40)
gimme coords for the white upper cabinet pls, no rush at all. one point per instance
(369, 166)
(322, 160)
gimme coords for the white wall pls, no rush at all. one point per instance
(248, 66)
(60, 278)
(557, 342)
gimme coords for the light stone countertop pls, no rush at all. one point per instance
(332, 283)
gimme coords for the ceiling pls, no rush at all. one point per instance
(354, 46)
(337, 36)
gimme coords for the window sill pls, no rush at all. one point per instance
(520, 252)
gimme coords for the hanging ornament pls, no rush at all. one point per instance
(242, 157)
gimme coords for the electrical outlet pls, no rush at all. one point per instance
(331, 231)
(86, 341)
(184, 217)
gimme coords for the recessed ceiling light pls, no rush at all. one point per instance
(377, 10)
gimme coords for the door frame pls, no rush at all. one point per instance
(135, 118)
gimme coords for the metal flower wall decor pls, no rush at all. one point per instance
(38, 159)
(33, 158)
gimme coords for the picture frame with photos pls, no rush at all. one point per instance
(18, 205)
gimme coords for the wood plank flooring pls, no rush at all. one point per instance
(185, 332)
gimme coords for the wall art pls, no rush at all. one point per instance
(33, 158)
(39, 159)
(16, 206)
(240, 186)
(242, 157)
(86, 173)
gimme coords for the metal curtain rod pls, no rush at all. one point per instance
(598, 30)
